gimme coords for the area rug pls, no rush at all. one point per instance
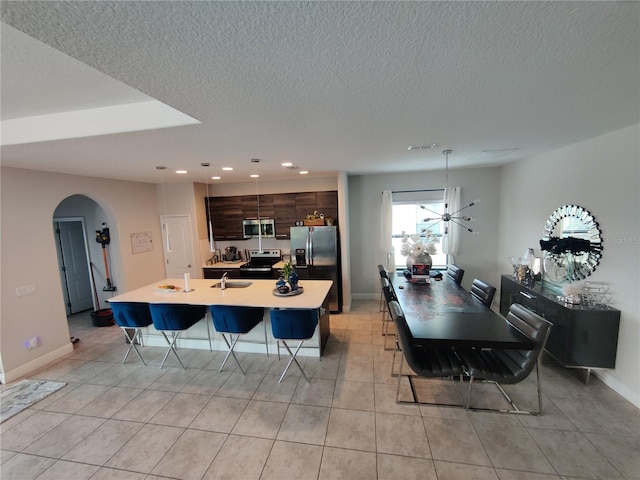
(23, 394)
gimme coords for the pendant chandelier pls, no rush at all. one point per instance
(447, 216)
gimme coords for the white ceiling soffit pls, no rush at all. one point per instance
(95, 121)
(101, 106)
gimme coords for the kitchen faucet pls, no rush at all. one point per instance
(223, 280)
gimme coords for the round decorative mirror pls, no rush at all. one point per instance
(572, 244)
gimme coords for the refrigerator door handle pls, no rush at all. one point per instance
(310, 248)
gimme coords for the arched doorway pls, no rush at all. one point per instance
(80, 257)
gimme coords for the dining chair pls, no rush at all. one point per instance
(456, 273)
(236, 321)
(424, 361)
(132, 317)
(293, 324)
(174, 318)
(389, 295)
(383, 271)
(506, 366)
(383, 275)
(483, 291)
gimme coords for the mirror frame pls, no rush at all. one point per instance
(576, 270)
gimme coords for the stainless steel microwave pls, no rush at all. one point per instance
(267, 228)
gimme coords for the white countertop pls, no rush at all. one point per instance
(226, 264)
(277, 266)
(258, 294)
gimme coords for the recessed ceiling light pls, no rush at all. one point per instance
(254, 175)
(287, 164)
(216, 178)
(181, 172)
(304, 172)
(227, 169)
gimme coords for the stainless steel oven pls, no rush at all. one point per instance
(252, 227)
(260, 264)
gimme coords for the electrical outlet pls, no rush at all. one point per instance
(26, 290)
(31, 342)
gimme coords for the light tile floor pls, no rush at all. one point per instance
(135, 422)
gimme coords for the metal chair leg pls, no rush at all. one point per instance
(172, 348)
(132, 344)
(231, 346)
(514, 407)
(209, 334)
(293, 359)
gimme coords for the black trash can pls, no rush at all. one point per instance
(102, 317)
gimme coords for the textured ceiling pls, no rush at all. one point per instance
(329, 86)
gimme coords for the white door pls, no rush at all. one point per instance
(74, 266)
(177, 243)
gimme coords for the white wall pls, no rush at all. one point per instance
(29, 200)
(477, 253)
(602, 175)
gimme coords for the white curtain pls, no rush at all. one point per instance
(389, 260)
(450, 241)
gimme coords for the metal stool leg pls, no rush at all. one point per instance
(293, 359)
(231, 352)
(132, 340)
(172, 348)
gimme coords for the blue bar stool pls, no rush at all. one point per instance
(293, 324)
(236, 320)
(132, 316)
(174, 318)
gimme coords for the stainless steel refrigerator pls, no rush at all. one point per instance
(315, 252)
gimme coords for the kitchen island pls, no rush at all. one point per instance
(259, 293)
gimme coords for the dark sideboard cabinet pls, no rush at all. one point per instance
(580, 337)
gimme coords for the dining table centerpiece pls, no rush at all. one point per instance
(418, 248)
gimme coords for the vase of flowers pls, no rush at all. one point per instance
(418, 248)
(289, 274)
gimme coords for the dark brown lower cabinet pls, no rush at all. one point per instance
(580, 337)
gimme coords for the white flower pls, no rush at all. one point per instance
(416, 245)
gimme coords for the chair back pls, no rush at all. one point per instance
(171, 316)
(455, 272)
(532, 326)
(424, 361)
(294, 323)
(483, 291)
(131, 314)
(406, 337)
(235, 319)
(383, 272)
(387, 290)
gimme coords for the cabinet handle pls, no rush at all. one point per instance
(282, 235)
(528, 295)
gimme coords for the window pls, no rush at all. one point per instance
(408, 217)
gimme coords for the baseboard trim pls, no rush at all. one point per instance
(615, 385)
(32, 366)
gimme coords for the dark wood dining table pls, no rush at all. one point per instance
(444, 313)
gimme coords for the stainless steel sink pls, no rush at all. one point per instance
(232, 284)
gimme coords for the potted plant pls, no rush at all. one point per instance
(290, 275)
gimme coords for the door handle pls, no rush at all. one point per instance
(189, 266)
